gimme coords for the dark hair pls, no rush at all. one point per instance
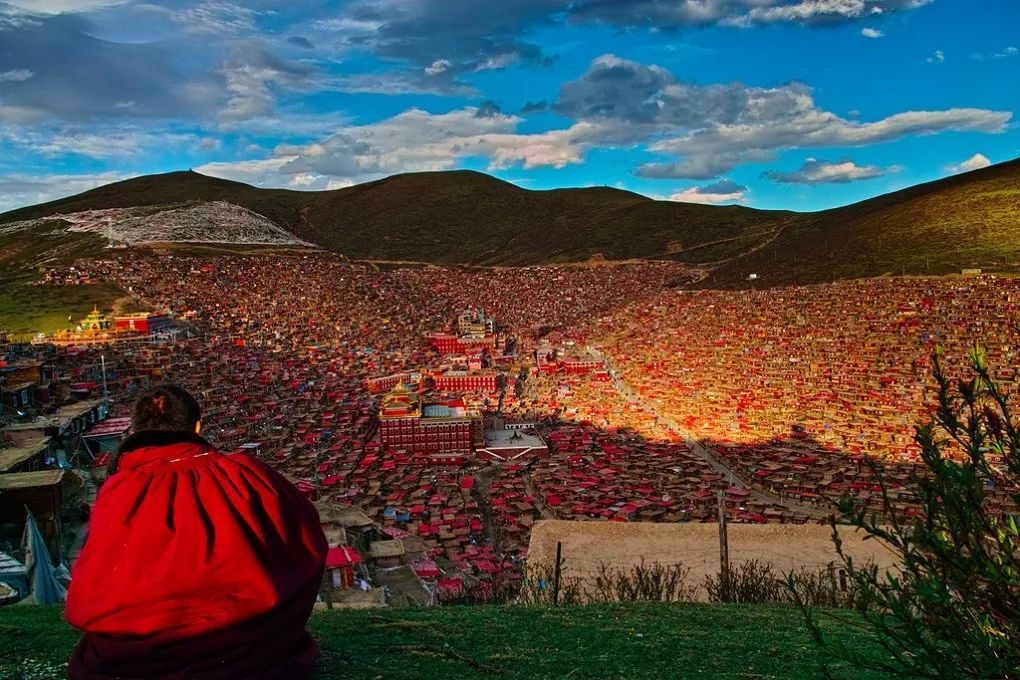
(166, 407)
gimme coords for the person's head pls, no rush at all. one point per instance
(168, 408)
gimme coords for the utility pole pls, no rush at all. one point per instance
(102, 360)
(556, 577)
(724, 551)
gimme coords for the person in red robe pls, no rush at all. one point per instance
(197, 565)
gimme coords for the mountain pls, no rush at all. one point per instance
(456, 217)
(465, 217)
(970, 220)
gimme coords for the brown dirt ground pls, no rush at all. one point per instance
(619, 545)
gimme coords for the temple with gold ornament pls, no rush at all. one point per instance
(99, 328)
(436, 433)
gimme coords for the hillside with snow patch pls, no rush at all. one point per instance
(198, 222)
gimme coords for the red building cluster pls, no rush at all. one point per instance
(464, 381)
(450, 344)
(551, 361)
(444, 433)
(142, 322)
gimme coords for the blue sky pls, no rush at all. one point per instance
(799, 104)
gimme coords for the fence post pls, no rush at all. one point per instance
(724, 551)
(556, 576)
(327, 588)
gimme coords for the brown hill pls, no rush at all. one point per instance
(970, 220)
(465, 217)
(457, 217)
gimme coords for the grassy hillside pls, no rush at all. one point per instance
(26, 310)
(457, 217)
(472, 218)
(23, 252)
(600, 641)
(464, 217)
(968, 220)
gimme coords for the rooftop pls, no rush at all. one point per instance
(62, 416)
(19, 453)
(30, 480)
(512, 439)
(112, 426)
(10, 566)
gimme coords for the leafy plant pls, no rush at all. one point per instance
(952, 607)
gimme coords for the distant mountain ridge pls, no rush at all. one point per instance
(469, 218)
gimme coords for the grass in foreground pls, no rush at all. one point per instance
(598, 641)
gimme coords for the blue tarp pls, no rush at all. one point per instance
(45, 580)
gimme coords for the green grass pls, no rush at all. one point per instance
(599, 641)
(963, 221)
(26, 309)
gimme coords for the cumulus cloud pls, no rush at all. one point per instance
(438, 66)
(251, 72)
(823, 11)
(975, 162)
(714, 128)
(937, 58)
(815, 171)
(673, 14)
(699, 131)
(869, 32)
(473, 35)
(725, 191)
(412, 141)
(416, 140)
(477, 36)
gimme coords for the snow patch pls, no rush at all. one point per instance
(208, 222)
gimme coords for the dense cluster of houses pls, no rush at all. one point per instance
(797, 387)
(342, 374)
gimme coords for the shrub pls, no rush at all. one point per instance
(952, 607)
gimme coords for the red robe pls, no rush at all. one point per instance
(197, 565)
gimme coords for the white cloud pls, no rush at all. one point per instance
(436, 67)
(416, 140)
(869, 32)
(815, 11)
(16, 75)
(251, 73)
(937, 58)
(725, 191)
(260, 172)
(498, 61)
(814, 171)
(100, 142)
(975, 162)
(19, 189)
(412, 141)
(722, 147)
(304, 180)
(714, 128)
(216, 17)
(1001, 54)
